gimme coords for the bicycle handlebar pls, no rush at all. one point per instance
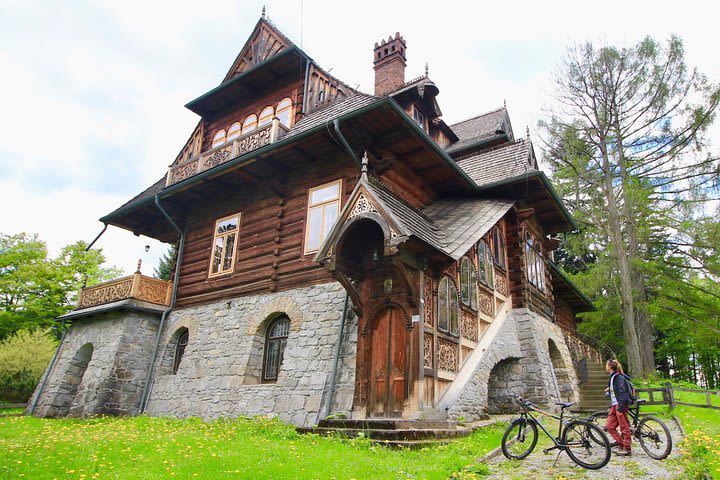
(523, 402)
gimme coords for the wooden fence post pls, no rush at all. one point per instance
(668, 395)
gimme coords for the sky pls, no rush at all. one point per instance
(92, 92)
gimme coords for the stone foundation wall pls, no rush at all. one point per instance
(518, 361)
(219, 375)
(101, 367)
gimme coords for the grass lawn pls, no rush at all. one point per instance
(149, 448)
(701, 447)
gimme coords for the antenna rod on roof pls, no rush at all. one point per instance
(263, 12)
(301, 23)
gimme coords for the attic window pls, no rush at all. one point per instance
(234, 131)
(418, 117)
(321, 96)
(266, 116)
(219, 138)
(284, 111)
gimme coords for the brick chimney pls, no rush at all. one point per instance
(389, 64)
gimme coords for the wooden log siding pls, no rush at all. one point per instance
(269, 253)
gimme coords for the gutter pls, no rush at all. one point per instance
(336, 360)
(166, 312)
(50, 367)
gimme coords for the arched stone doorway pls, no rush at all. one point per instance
(388, 364)
(71, 381)
(560, 372)
(505, 379)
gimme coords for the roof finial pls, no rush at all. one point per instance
(427, 70)
(504, 104)
(527, 131)
(364, 166)
(263, 12)
(139, 265)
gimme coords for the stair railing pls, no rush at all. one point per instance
(591, 346)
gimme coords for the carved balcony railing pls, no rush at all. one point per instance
(264, 135)
(135, 286)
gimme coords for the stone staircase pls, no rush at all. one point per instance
(392, 432)
(592, 391)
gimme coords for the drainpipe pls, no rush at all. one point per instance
(306, 87)
(97, 238)
(52, 364)
(166, 312)
(336, 124)
(336, 360)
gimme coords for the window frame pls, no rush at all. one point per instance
(288, 108)
(339, 183)
(263, 116)
(215, 141)
(535, 268)
(486, 262)
(499, 251)
(180, 347)
(450, 306)
(468, 283)
(245, 125)
(224, 236)
(281, 340)
(237, 132)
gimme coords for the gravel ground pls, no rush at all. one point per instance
(539, 466)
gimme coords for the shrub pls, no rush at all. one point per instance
(24, 356)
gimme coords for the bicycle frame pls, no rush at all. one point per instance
(526, 412)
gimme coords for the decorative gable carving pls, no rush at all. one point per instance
(264, 42)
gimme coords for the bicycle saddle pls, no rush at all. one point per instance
(565, 404)
(641, 400)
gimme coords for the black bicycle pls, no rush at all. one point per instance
(650, 431)
(583, 441)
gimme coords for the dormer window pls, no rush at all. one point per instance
(266, 116)
(250, 124)
(284, 111)
(321, 96)
(219, 138)
(233, 132)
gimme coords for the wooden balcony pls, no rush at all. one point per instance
(264, 135)
(135, 286)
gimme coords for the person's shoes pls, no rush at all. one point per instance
(613, 444)
(621, 452)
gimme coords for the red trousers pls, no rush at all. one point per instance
(617, 418)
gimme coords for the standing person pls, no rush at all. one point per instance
(620, 403)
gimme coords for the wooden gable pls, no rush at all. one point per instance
(264, 42)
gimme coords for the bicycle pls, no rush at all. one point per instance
(588, 450)
(651, 432)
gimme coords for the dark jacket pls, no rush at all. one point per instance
(622, 390)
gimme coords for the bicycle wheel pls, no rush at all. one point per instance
(519, 439)
(599, 419)
(654, 437)
(589, 450)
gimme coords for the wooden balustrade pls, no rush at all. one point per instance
(260, 137)
(135, 286)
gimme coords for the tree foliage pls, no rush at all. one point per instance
(24, 356)
(626, 143)
(36, 289)
(166, 266)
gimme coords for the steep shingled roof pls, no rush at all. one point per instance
(331, 111)
(495, 164)
(484, 125)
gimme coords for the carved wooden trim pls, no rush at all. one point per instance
(136, 286)
(501, 283)
(486, 302)
(447, 353)
(469, 326)
(428, 349)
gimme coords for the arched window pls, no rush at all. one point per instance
(284, 111)
(485, 264)
(266, 116)
(182, 342)
(234, 131)
(534, 261)
(448, 307)
(468, 283)
(275, 341)
(498, 248)
(219, 138)
(249, 124)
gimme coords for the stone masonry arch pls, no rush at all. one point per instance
(67, 393)
(505, 379)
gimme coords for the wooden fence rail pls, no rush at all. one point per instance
(668, 396)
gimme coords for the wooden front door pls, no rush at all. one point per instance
(388, 364)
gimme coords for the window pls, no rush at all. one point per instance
(182, 342)
(284, 111)
(323, 209)
(234, 131)
(218, 139)
(321, 96)
(224, 245)
(418, 117)
(275, 341)
(498, 248)
(447, 314)
(249, 124)
(266, 116)
(468, 283)
(534, 261)
(485, 264)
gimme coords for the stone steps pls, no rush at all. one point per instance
(393, 433)
(592, 391)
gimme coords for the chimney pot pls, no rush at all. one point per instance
(389, 64)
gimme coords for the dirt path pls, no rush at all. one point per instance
(539, 466)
